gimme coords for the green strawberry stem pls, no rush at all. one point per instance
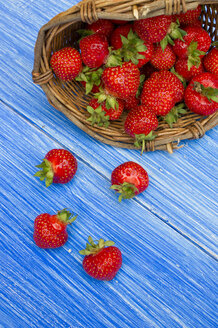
(132, 46)
(46, 172)
(83, 33)
(126, 190)
(180, 77)
(92, 248)
(210, 93)
(91, 77)
(66, 216)
(194, 55)
(110, 101)
(140, 140)
(97, 116)
(174, 114)
(173, 33)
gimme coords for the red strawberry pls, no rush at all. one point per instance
(58, 166)
(139, 124)
(129, 179)
(50, 231)
(94, 50)
(102, 261)
(152, 29)
(101, 26)
(115, 38)
(119, 22)
(121, 81)
(196, 23)
(66, 63)
(181, 68)
(131, 102)
(196, 43)
(211, 61)
(189, 17)
(161, 92)
(201, 95)
(101, 113)
(163, 60)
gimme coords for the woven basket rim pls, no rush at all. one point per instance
(84, 11)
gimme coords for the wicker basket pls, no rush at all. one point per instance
(70, 98)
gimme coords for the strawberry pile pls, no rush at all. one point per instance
(148, 67)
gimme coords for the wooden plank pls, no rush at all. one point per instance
(165, 281)
(182, 192)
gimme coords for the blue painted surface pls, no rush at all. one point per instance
(167, 235)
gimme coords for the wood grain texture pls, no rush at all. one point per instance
(182, 191)
(165, 234)
(165, 281)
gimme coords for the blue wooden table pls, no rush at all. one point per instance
(167, 235)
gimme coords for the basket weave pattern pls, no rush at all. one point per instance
(70, 98)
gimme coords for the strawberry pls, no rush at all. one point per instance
(101, 26)
(101, 113)
(66, 63)
(163, 60)
(194, 34)
(115, 39)
(196, 23)
(129, 179)
(189, 17)
(102, 260)
(121, 81)
(201, 95)
(119, 21)
(131, 102)
(50, 231)
(152, 29)
(139, 124)
(161, 92)
(94, 50)
(181, 68)
(211, 61)
(58, 166)
(196, 43)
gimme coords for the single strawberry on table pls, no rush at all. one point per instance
(66, 63)
(58, 166)
(201, 95)
(102, 260)
(129, 179)
(50, 231)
